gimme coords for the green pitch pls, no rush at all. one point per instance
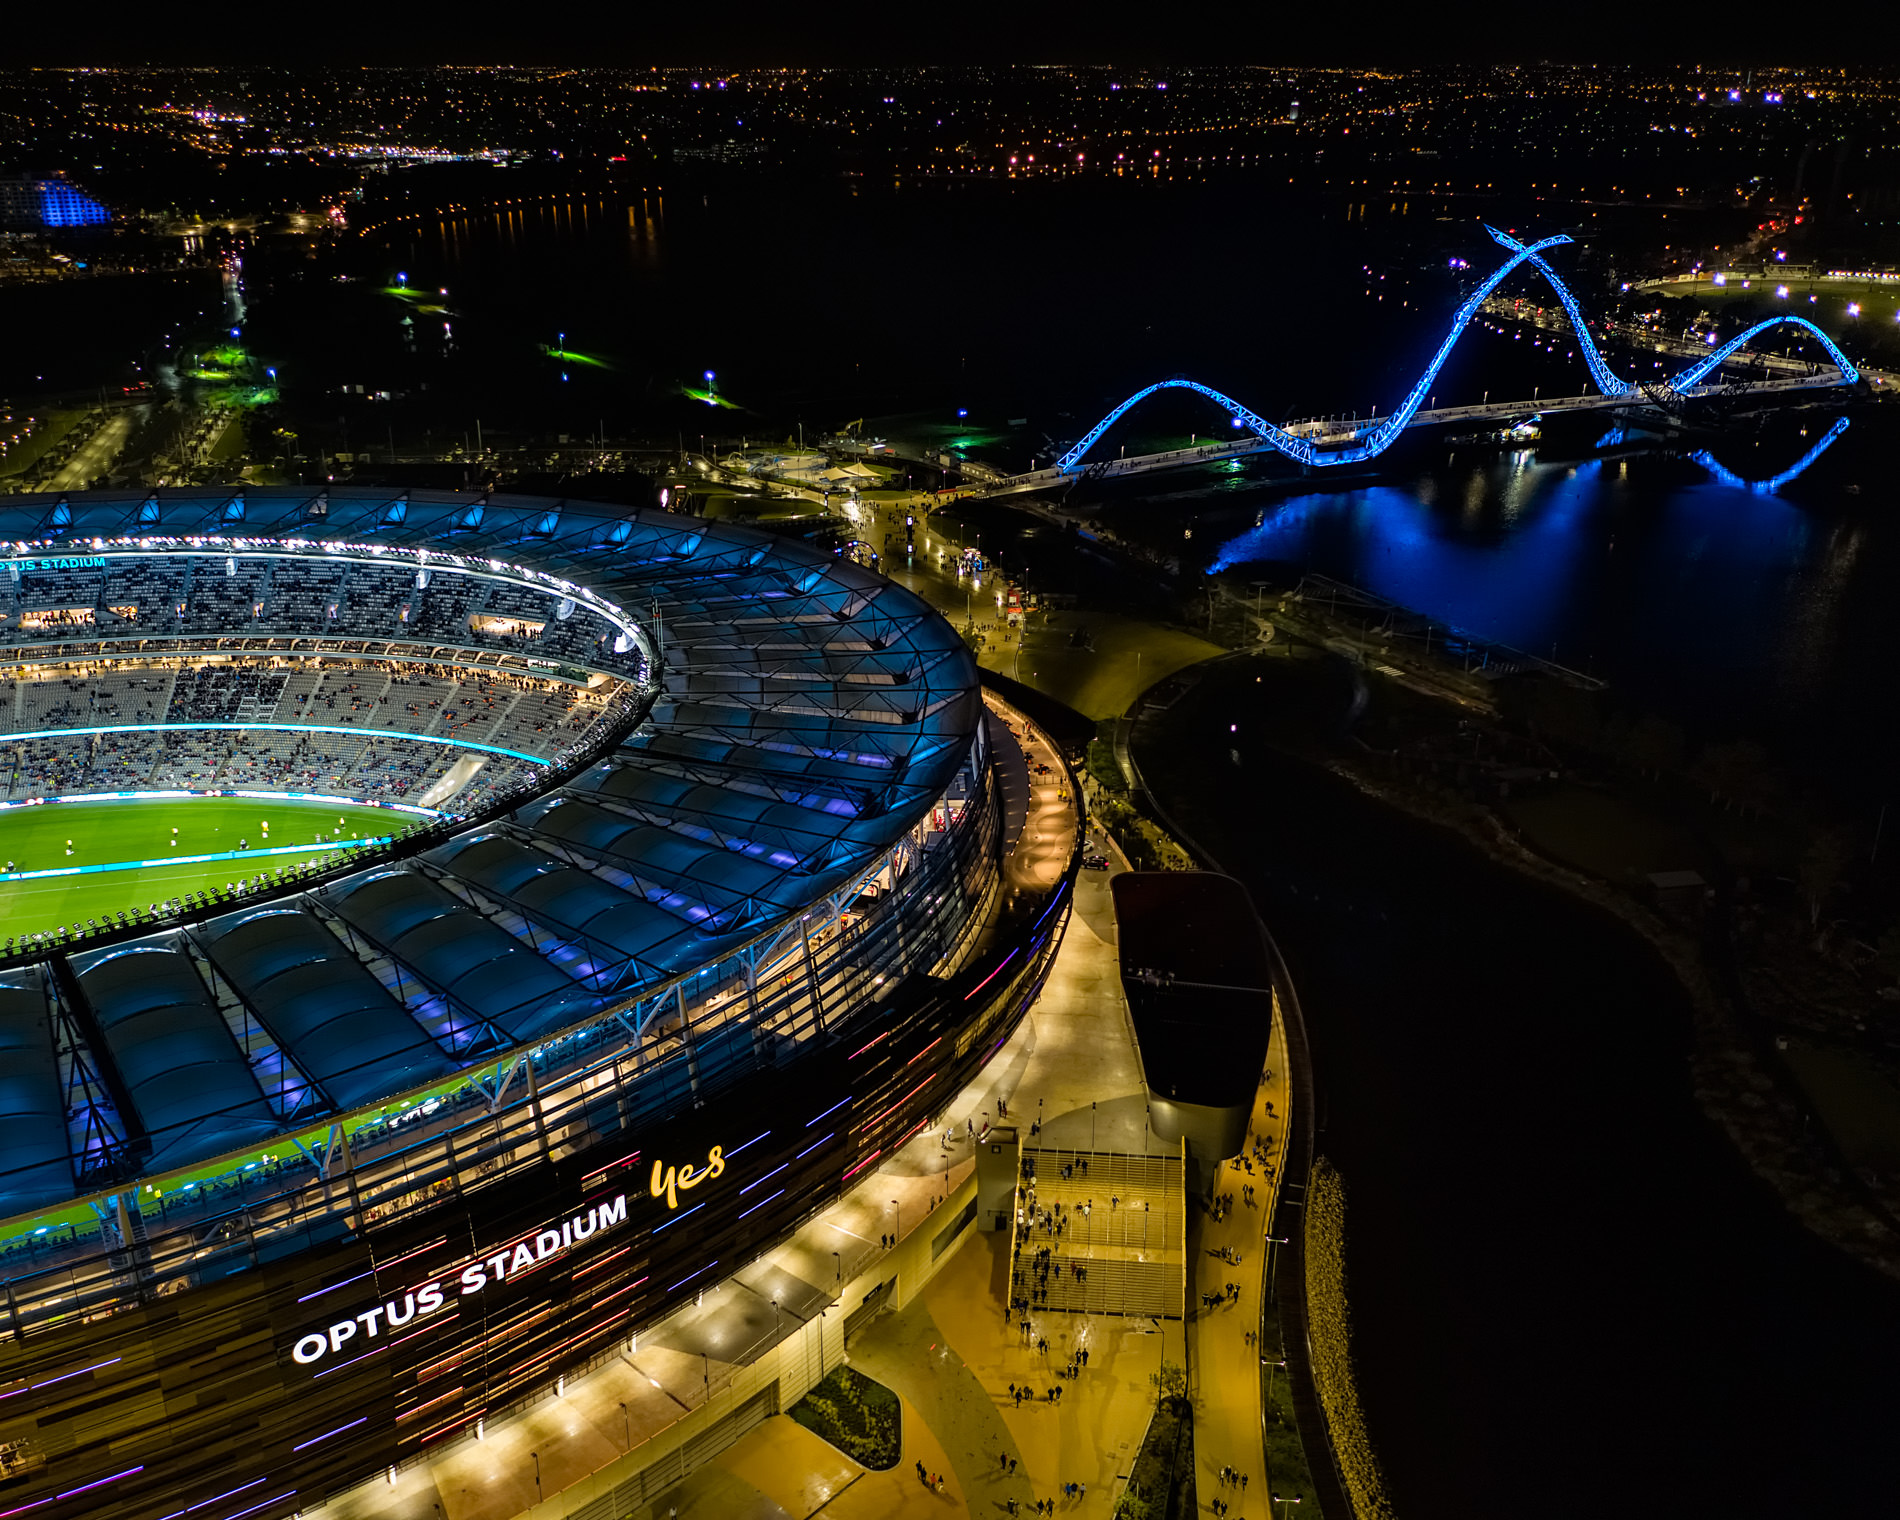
(138, 829)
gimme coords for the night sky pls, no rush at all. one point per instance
(750, 32)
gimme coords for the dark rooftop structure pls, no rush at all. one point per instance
(1199, 985)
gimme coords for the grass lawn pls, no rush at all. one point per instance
(108, 832)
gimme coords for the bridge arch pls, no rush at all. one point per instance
(1694, 373)
(1377, 439)
(1684, 381)
(1260, 426)
(1381, 436)
(1608, 381)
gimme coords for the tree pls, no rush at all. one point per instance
(1171, 1380)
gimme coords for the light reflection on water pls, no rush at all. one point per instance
(1737, 609)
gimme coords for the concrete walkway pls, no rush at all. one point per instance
(1224, 1363)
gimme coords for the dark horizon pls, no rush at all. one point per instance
(593, 35)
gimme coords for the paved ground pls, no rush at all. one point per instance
(1100, 678)
(95, 455)
(950, 1357)
(1223, 1363)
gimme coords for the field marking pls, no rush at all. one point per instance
(192, 860)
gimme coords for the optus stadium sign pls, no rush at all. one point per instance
(511, 1261)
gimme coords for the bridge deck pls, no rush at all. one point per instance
(1332, 434)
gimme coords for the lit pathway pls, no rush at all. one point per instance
(949, 1356)
(1223, 1369)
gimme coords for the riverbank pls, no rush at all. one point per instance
(1788, 1061)
(1548, 1234)
(1735, 1085)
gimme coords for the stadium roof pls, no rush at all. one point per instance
(808, 715)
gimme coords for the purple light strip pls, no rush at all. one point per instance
(691, 1275)
(759, 1205)
(676, 1219)
(992, 976)
(229, 1493)
(289, 1493)
(813, 1146)
(334, 1286)
(48, 1383)
(377, 1351)
(752, 1142)
(766, 1178)
(828, 1112)
(102, 1482)
(361, 1419)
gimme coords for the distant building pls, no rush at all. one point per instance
(30, 202)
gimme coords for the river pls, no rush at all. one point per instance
(1569, 1295)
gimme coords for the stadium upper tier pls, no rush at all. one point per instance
(383, 730)
(804, 718)
(154, 593)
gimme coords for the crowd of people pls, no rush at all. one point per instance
(392, 697)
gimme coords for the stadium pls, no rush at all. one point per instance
(391, 881)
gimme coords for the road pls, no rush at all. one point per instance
(1336, 434)
(96, 455)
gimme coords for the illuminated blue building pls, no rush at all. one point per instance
(30, 202)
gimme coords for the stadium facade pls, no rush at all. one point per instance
(304, 1175)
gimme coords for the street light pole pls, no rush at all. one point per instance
(1269, 1396)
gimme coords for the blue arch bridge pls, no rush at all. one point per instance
(1331, 443)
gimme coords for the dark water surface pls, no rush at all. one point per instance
(1734, 610)
(1570, 1298)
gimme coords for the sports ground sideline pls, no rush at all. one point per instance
(136, 851)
